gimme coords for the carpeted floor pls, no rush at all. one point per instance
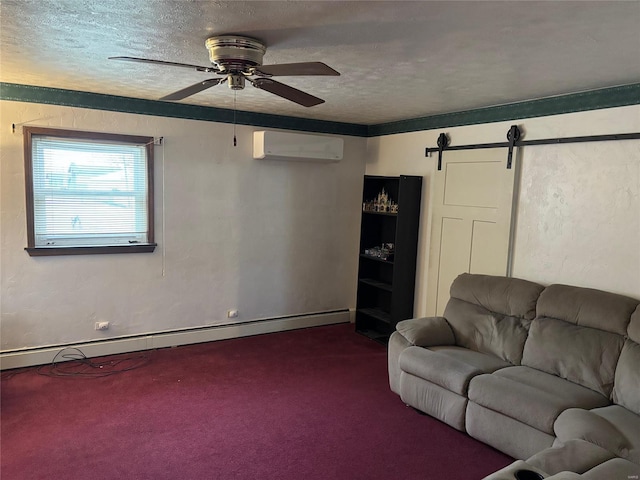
(310, 404)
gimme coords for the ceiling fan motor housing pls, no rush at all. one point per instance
(232, 53)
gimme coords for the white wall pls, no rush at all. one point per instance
(280, 238)
(578, 212)
(266, 237)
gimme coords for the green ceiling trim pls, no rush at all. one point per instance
(70, 98)
(575, 102)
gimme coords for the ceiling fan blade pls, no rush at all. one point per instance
(285, 91)
(303, 68)
(162, 62)
(193, 89)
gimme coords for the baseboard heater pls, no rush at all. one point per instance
(132, 343)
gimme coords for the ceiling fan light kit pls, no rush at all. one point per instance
(239, 58)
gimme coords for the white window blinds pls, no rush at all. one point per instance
(88, 193)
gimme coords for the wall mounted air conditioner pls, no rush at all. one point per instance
(270, 145)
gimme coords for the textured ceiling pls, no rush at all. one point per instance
(398, 60)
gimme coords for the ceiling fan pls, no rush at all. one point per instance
(239, 59)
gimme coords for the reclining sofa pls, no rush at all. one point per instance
(548, 375)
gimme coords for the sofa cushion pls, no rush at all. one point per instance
(586, 356)
(578, 335)
(492, 314)
(530, 396)
(426, 331)
(633, 331)
(628, 424)
(504, 433)
(614, 469)
(487, 332)
(587, 307)
(448, 367)
(626, 391)
(573, 455)
(564, 476)
(576, 423)
(513, 297)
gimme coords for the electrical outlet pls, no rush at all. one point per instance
(232, 313)
(102, 325)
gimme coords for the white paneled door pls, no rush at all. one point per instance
(472, 216)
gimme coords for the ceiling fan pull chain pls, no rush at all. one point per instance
(235, 142)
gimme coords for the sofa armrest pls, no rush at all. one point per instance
(579, 424)
(574, 455)
(426, 331)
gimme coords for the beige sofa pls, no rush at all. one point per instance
(550, 375)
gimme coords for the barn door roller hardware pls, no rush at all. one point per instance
(443, 142)
(514, 139)
(513, 135)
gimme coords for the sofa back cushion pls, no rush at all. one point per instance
(633, 331)
(492, 314)
(626, 389)
(578, 334)
(587, 307)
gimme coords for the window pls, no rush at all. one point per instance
(88, 192)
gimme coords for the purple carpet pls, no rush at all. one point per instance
(310, 404)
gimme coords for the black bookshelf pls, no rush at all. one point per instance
(386, 283)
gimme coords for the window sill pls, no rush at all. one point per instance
(52, 251)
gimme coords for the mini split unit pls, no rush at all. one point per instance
(269, 145)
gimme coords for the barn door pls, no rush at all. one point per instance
(471, 223)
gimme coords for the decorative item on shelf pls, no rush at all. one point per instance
(381, 204)
(384, 252)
